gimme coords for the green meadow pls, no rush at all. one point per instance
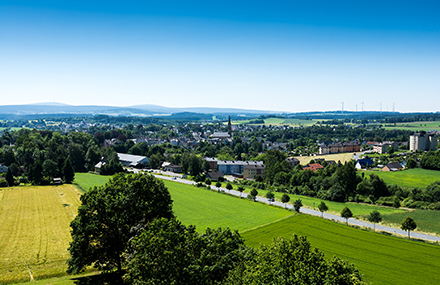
(426, 220)
(414, 178)
(86, 180)
(204, 208)
(415, 126)
(382, 259)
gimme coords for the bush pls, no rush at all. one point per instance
(434, 206)
(3, 182)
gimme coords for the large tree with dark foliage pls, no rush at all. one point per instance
(167, 252)
(293, 261)
(104, 225)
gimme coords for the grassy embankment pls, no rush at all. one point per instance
(382, 259)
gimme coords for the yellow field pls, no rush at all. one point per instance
(343, 157)
(35, 231)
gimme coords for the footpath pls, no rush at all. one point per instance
(352, 221)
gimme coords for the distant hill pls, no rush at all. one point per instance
(53, 108)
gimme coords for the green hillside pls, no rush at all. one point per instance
(382, 259)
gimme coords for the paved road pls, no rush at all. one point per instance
(351, 221)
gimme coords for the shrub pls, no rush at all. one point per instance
(3, 182)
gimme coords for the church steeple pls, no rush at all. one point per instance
(229, 127)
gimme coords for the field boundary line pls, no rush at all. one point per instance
(260, 226)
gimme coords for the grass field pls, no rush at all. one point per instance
(334, 207)
(426, 220)
(35, 230)
(343, 157)
(382, 259)
(416, 177)
(86, 180)
(204, 208)
(416, 126)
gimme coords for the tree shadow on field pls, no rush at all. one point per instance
(101, 279)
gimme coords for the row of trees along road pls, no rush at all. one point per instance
(129, 224)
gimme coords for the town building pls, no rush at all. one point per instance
(293, 161)
(393, 166)
(423, 141)
(313, 167)
(364, 163)
(231, 167)
(383, 147)
(249, 171)
(339, 147)
(129, 160)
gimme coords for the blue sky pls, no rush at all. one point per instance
(269, 55)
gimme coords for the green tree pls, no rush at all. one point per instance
(293, 261)
(50, 169)
(297, 204)
(167, 252)
(254, 193)
(270, 195)
(68, 172)
(375, 217)
(240, 189)
(396, 202)
(229, 186)
(390, 150)
(218, 184)
(208, 181)
(285, 199)
(322, 208)
(346, 214)
(408, 225)
(195, 165)
(104, 225)
(9, 177)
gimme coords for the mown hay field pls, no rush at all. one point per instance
(382, 259)
(414, 178)
(35, 231)
(342, 157)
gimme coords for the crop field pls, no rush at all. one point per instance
(35, 231)
(343, 157)
(382, 259)
(87, 180)
(416, 126)
(426, 220)
(204, 208)
(413, 178)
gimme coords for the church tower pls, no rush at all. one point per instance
(230, 127)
